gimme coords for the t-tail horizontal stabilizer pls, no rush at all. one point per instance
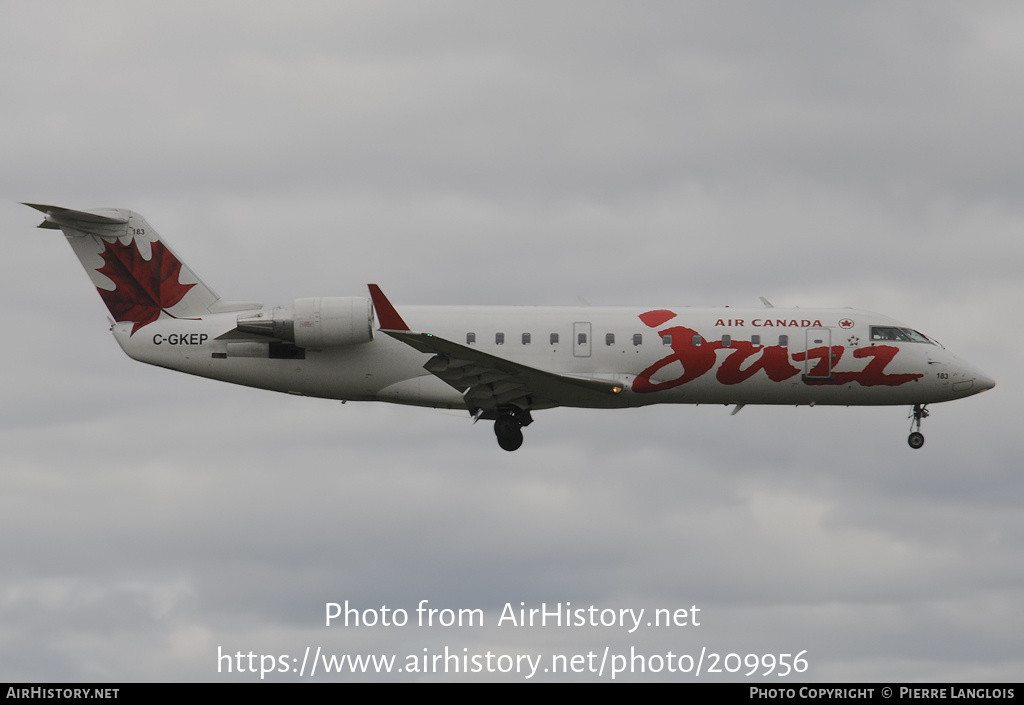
(105, 222)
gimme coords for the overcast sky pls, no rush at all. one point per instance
(861, 154)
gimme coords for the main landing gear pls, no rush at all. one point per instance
(508, 427)
(916, 438)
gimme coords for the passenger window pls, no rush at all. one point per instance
(609, 339)
(499, 338)
(783, 341)
(554, 338)
(755, 340)
(697, 340)
(666, 340)
(470, 338)
(726, 341)
(638, 339)
(526, 338)
(581, 339)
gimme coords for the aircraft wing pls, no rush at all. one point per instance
(488, 382)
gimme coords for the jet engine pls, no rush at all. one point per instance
(322, 322)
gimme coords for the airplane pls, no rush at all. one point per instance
(501, 364)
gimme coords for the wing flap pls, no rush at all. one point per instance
(488, 382)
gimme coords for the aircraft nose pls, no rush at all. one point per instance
(971, 379)
(984, 381)
(976, 380)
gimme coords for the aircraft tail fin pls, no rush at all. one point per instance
(137, 275)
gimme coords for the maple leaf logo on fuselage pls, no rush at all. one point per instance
(142, 288)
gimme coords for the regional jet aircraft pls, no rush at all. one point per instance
(503, 363)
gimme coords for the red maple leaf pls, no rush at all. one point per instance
(142, 288)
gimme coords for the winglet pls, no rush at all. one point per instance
(386, 313)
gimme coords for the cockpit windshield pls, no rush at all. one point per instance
(905, 334)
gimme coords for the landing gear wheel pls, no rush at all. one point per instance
(916, 439)
(509, 432)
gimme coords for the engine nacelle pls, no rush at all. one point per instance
(321, 322)
(329, 322)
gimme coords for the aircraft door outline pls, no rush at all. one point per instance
(581, 339)
(817, 338)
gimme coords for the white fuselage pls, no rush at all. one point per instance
(679, 355)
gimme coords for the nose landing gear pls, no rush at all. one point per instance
(916, 439)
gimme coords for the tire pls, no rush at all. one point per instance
(511, 440)
(509, 432)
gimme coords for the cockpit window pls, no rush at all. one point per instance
(886, 333)
(893, 333)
